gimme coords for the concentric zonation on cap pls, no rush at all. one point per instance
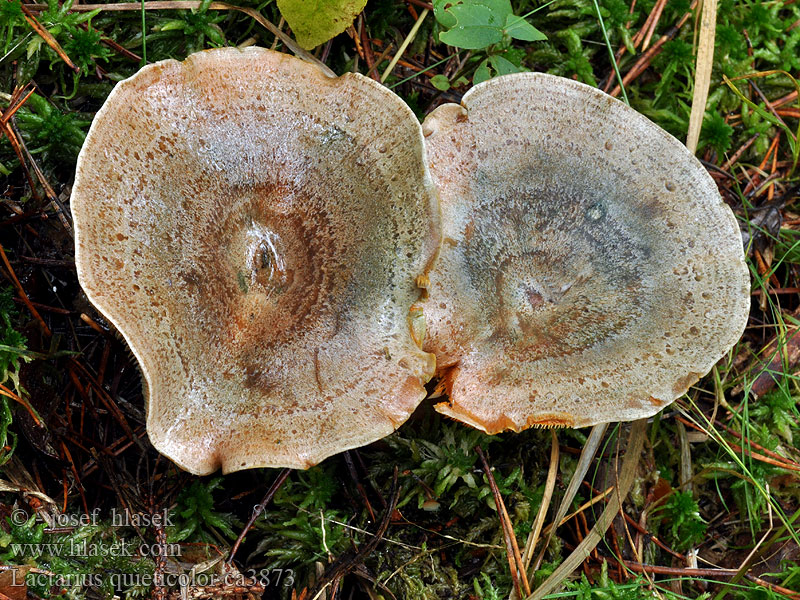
(590, 271)
(254, 229)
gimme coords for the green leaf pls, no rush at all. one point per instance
(477, 24)
(440, 82)
(477, 27)
(519, 29)
(494, 65)
(444, 18)
(503, 66)
(482, 73)
(314, 22)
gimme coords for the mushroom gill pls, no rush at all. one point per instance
(590, 271)
(255, 229)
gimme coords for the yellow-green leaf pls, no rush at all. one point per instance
(314, 22)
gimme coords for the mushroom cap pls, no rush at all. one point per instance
(589, 272)
(254, 229)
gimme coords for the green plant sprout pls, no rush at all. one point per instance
(195, 517)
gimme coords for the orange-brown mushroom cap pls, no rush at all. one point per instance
(590, 271)
(254, 229)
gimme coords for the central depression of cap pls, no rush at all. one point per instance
(255, 230)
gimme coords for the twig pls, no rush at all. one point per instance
(791, 463)
(642, 530)
(381, 57)
(350, 561)
(56, 204)
(351, 468)
(77, 477)
(769, 106)
(658, 9)
(736, 155)
(47, 37)
(639, 35)
(685, 572)
(258, 510)
(22, 293)
(46, 308)
(644, 60)
(784, 350)
(105, 398)
(15, 101)
(791, 97)
(4, 391)
(369, 55)
(627, 473)
(585, 461)
(586, 505)
(764, 459)
(409, 38)
(515, 564)
(549, 486)
(776, 291)
(195, 4)
(778, 460)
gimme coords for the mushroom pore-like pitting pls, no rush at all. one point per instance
(254, 229)
(589, 272)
